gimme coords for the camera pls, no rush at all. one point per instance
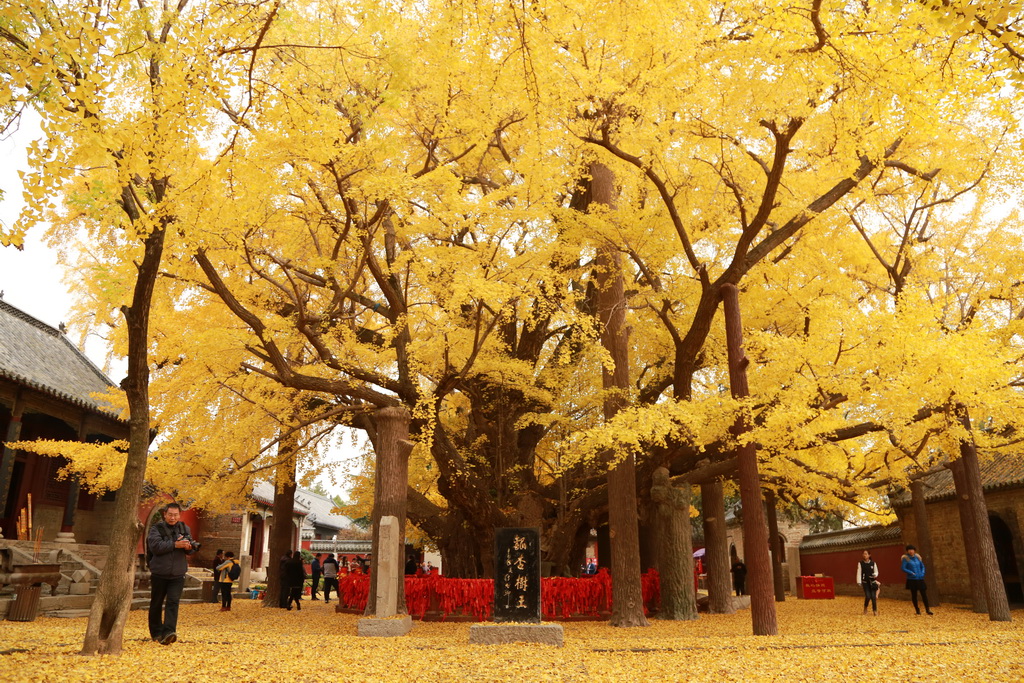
(195, 544)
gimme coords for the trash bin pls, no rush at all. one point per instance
(26, 603)
(209, 594)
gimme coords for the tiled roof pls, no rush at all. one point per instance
(998, 471)
(320, 511)
(263, 492)
(852, 539)
(40, 357)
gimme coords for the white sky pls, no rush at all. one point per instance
(31, 278)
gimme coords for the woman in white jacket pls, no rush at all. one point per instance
(867, 577)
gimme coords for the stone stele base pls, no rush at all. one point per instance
(384, 628)
(499, 634)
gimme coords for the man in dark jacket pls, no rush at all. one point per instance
(314, 570)
(170, 543)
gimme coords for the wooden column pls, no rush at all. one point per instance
(923, 538)
(716, 549)
(988, 565)
(970, 536)
(7, 460)
(755, 526)
(775, 543)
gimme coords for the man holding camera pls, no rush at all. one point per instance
(169, 543)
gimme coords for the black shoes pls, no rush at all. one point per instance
(169, 638)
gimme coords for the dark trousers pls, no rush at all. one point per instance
(870, 596)
(328, 584)
(163, 605)
(918, 586)
(294, 595)
(225, 594)
(316, 584)
(739, 584)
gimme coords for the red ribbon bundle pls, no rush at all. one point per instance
(561, 598)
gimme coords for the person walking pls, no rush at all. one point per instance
(295, 574)
(218, 560)
(913, 566)
(314, 570)
(739, 576)
(330, 568)
(229, 571)
(867, 577)
(170, 542)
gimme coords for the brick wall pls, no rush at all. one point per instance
(948, 569)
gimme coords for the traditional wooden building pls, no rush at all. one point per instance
(49, 390)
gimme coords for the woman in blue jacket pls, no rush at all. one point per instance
(913, 567)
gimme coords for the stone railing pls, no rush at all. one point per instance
(341, 547)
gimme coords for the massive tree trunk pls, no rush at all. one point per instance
(775, 543)
(988, 565)
(970, 536)
(755, 529)
(672, 507)
(627, 594)
(924, 537)
(104, 633)
(282, 533)
(391, 484)
(716, 548)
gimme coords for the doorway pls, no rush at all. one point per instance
(1002, 538)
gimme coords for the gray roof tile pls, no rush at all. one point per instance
(38, 356)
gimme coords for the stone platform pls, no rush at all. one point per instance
(372, 627)
(500, 634)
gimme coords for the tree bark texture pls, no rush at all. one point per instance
(627, 594)
(672, 509)
(923, 539)
(755, 528)
(716, 549)
(105, 631)
(391, 483)
(775, 543)
(282, 531)
(970, 536)
(988, 565)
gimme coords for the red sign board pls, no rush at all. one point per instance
(817, 588)
(236, 519)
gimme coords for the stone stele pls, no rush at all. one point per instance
(510, 632)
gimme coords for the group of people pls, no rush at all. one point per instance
(913, 567)
(170, 542)
(867, 578)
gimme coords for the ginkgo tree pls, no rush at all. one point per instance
(122, 92)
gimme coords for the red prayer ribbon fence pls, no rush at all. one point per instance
(561, 598)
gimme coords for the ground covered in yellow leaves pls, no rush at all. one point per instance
(821, 640)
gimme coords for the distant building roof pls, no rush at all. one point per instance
(998, 471)
(320, 514)
(852, 539)
(263, 492)
(40, 357)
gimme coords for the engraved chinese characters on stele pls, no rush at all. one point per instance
(517, 575)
